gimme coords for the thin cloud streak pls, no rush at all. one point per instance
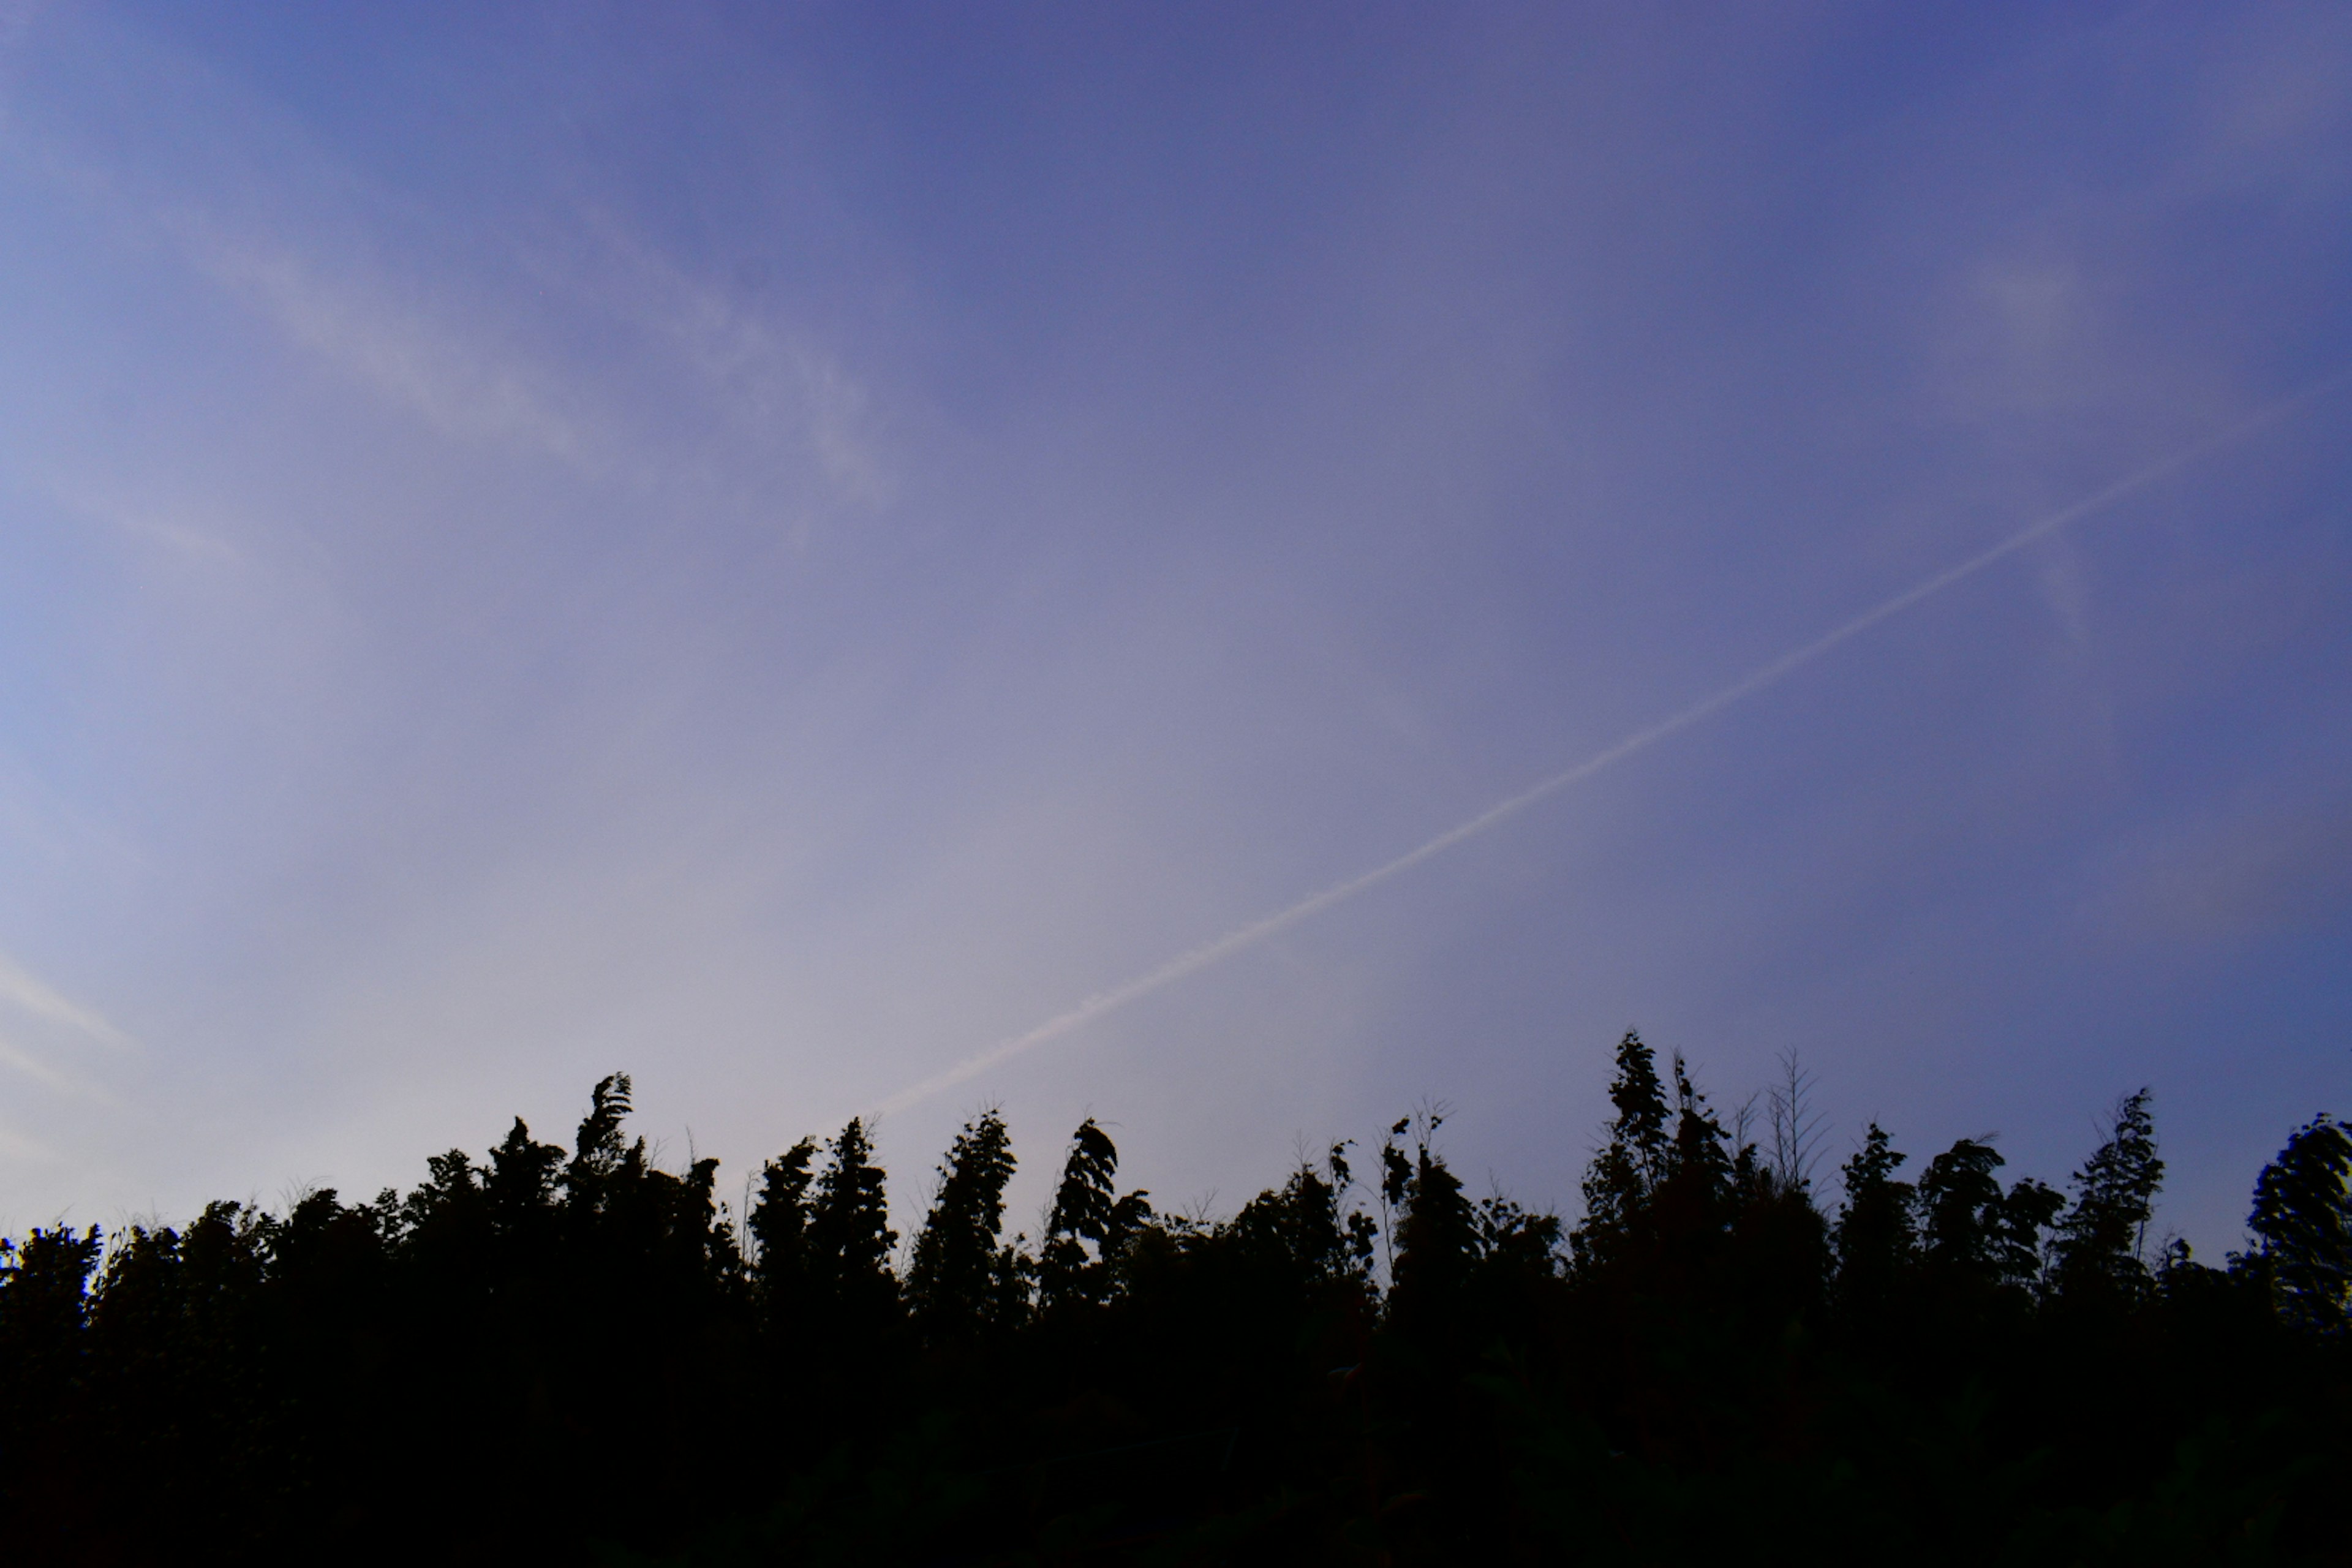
(26, 994)
(19, 987)
(385, 344)
(1103, 1002)
(49, 1078)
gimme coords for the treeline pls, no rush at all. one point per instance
(553, 1354)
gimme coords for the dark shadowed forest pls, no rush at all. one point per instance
(1739, 1353)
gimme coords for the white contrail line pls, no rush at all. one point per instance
(1748, 685)
(20, 988)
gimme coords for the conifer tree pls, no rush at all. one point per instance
(1699, 1162)
(1088, 1210)
(959, 1277)
(2020, 1232)
(1973, 1231)
(2096, 1253)
(779, 1227)
(1876, 1234)
(517, 1195)
(521, 1180)
(44, 1300)
(601, 1156)
(1960, 1200)
(138, 1307)
(1630, 1166)
(694, 1246)
(2302, 1215)
(849, 1234)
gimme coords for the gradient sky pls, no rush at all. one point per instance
(778, 548)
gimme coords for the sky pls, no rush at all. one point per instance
(881, 558)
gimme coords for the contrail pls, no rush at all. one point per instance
(19, 987)
(1757, 680)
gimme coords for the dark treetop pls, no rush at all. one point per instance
(554, 1355)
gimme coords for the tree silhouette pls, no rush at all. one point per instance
(1631, 1165)
(2096, 1254)
(1876, 1237)
(850, 1239)
(961, 1279)
(2302, 1215)
(1300, 1232)
(520, 1186)
(1693, 1200)
(1088, 1210)
(543, 1353)
(782, 1269)
(1960, 1198)
(1438, 1243)
(43, 1309)
(600, 1157)
(1795, 1126)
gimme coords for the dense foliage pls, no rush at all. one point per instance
(553, 1355)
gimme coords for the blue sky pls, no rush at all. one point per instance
(782, 548)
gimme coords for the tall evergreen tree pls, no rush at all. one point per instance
(2096, 1253)
(44, 1304)
(849, 1235)
(960, 1278)
(444, 1224)
(779, 1227)
(520, 1181)
(2302, 1215)
(1088, 1210)
(1876, 1237)
(1699, 1165)
(1960, 1200)
(2019, 1228)
(1630, 1166)
(1974, 1233)
(601, 1156)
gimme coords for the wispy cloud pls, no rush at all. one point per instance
(171, 530)
(24, 992)
(256, 206)
(757, 373)
(56, 1018)
(841, 430)
(437, 323)
(394, 346)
